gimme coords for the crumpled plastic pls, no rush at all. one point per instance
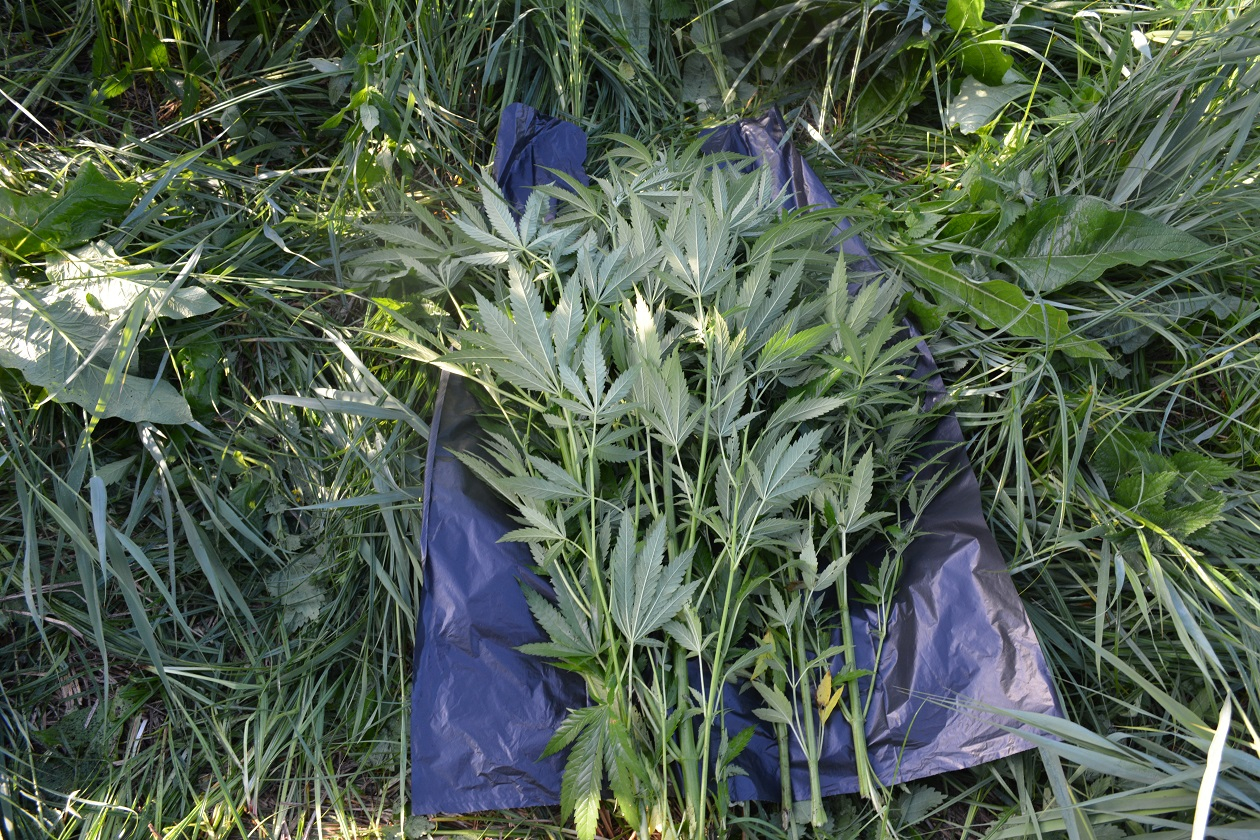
(959, 645)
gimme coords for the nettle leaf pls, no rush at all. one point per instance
(1075, 239)
(919, 802)
(1197, 467)
(1146, 490)
(299, 590)
(77, 336)
(1188, 519)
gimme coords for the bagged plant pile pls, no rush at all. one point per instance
(683, 471)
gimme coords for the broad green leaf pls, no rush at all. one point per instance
(977, 104)
(699, 84)
(996, 304)
(629, 21)
(1074, 239)
(34, 224)
(109, 283)
(76, 337)
(964, 14)
(985, 60)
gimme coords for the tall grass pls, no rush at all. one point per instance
(205, 629)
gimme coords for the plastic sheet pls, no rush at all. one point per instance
(482, 712)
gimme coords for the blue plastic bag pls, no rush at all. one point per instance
(482, 712)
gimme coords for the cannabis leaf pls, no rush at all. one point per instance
(645, 592)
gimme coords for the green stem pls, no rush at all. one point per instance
(857, 713)
(808, 744)
(785, 763)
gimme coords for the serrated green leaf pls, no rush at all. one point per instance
(1185, 520)
(783, 472)
(582, 784)
(299, 591)
(1196, 466)
(919, 802)
(500, 215)
(860, 491)
(646, 594)
(1145, 490)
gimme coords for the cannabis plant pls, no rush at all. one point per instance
(698, 423)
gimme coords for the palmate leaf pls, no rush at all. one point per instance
(668, 405)
(566, 321)
(762, 301)
(801, 409)
(516, 345)
(582, 786)
(698, 250)
(782, 474)
(790, 349)
(646, 594)
(565, 625)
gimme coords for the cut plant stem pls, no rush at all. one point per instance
(867, 786)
